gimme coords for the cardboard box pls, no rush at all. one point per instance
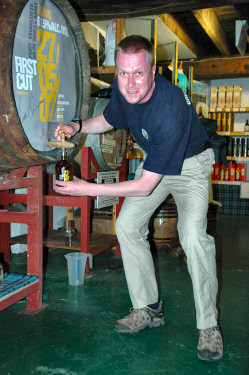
(237, 96)
(222, 97)
(213, 97)
(229, 97)
(238, 127)
(101, 225)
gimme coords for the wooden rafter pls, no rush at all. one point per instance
(210, 23)
(219, 68)
(177, 29)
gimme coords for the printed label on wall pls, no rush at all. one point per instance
(43, 70)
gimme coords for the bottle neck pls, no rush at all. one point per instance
(63, 154)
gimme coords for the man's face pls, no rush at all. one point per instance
(136, 78)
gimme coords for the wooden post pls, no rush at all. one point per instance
(119, 30)
(190, 80)
(154, 36)
(175, 63)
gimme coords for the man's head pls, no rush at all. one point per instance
(134, 58)
(136, 44)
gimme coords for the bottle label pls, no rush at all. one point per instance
(64, 176)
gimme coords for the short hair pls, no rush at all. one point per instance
(136, 44)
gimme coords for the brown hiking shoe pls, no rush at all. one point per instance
(139, 319)
(210, 346)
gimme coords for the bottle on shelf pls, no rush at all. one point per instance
(235, 146)
(230, 121)
(247, 126)
(232, 171)
(243, 172)
(224, 122)
(239, 147)
(70, 234)
(244, 146)
(237, 172)
(226, 175)
(222, 172)
(63, 168)
(219, 118)
(217, 171)
(229, 146)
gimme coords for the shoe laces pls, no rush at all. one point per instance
(135, 313)
(209, 333)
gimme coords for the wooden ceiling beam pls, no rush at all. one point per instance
(219, 68)
(210, 23)
(94, 10)
(181, 34)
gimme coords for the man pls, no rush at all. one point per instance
(178, 161)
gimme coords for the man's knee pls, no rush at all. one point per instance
(126, 226)
(121, 226)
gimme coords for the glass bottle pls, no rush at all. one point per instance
(230, 121)
(224, 122)
(237, 173)
(247, 126)
(70, 233)
(239, 147)
(63, 168)
(229, 146)
(222, 172)
(235, 146)
(226, 178)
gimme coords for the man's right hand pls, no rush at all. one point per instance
(69, 129)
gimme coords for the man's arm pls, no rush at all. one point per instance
(140, 187)
(92, 125)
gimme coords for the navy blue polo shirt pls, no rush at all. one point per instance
(166, 127)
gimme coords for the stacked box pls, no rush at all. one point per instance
(229, 97)
(237, 96)
(214, 97)
(222, 97)
(100, 224)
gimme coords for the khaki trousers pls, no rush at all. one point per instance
(191, 192)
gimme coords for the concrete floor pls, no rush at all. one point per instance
(74, 335)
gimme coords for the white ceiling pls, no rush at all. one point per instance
(165, 37)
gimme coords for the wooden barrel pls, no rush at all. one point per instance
(44, 78)
(165, 223)
(109, 148)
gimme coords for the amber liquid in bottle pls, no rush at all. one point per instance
(63, 168)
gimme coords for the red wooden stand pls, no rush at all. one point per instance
(87, 243)
(30, 178)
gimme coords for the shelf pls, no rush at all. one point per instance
(238, 158)
(233, 133)
(218, 182)
(103, 70)
(30, 285)
(17, 292)
(56, 239)
(231, 109)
